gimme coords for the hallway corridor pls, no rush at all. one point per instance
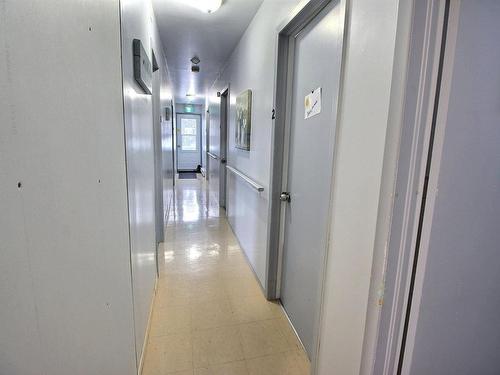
(210, 315)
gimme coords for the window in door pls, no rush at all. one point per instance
(189, 134)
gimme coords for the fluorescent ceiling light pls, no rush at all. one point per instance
(207, 6)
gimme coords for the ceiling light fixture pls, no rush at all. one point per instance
(206, 6)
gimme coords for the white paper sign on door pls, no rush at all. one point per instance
(312, 103)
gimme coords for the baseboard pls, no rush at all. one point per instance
(293, 329)
(146, 337)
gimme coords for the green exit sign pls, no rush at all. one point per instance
(189, 109)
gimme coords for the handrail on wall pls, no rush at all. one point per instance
(213, 156)
(247, 179)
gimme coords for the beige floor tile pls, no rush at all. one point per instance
(253, 308)
(230, 272)
(242, 286)
(208, 289)
(277, 364)
(212, 314)
(233, 368)
(216, 346)
(303, 361)
(287, 331)
(175, 296)
(170, 353)
(172, 319)
(262, 338)
(153, 360)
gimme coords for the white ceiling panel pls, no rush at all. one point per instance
(186, 31)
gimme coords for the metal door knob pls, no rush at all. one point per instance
(285, 197)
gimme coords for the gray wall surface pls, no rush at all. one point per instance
(253, 68)
(65, 283)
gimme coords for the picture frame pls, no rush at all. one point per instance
(243, 129)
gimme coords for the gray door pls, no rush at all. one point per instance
(188, 142)
(316, 64)
(454, 325)
(223, 148)
(213, 155)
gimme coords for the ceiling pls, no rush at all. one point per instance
(186, 31)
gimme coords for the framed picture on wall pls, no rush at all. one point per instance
(243, 120)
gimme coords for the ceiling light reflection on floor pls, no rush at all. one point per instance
(169, 256)
(194, 253)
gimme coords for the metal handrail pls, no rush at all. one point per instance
(247, 179)
(213, 156)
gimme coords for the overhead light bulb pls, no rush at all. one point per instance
(206, 6)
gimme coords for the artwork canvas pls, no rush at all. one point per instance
(243, 120)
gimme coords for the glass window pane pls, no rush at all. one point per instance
(188, 126)
(189, 143)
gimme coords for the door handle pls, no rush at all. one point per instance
(285, 196)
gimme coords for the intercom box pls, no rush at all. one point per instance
(143, 70)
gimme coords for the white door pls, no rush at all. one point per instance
(188, 142)
(316, 67)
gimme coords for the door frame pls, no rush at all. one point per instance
(280, 143)
(419, 140)
(224, 141)
(200, 140)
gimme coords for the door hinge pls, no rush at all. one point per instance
(273, 116)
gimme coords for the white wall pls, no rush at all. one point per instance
(366, 144)
(252, 66)
(65, 283)
(138, 22)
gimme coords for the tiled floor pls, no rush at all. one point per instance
(210, 316)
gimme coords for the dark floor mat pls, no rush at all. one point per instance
(187, 175)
